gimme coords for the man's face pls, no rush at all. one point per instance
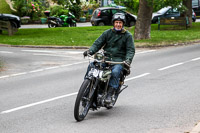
(118, 25)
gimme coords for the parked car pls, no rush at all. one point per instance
(168, 12)
(193, 16)
(103, 16)
(15, 20)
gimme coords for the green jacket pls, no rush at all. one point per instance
(119, 45)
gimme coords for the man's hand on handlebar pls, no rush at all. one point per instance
(86, 53)
(127, 63)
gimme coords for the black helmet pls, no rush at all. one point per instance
(119, 16)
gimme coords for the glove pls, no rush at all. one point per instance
(86, 53)
(127, 67)
(127, 62)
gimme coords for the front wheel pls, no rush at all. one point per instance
(51, 25)
(83, 102)
(73, 25)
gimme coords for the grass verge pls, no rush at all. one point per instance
(85, 36)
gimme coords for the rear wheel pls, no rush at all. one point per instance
(101, 24)
(13, 24)
(51, 25)
(83, 102)
(132, 23)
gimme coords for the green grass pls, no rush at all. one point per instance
(73, 36)
(85, 36)
(4, 7)
(169, 35)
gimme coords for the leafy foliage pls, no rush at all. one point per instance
(58, 11)
(34, 9)
(133, 5)
(158, 4)
(72, 6)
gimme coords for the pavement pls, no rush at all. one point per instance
(86, 24)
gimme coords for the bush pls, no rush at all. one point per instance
(76, 10)
(131, 5)
(29, 8)
(58, 11)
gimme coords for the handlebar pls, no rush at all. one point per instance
(113, 62)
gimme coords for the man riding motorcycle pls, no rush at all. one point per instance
(118, 43)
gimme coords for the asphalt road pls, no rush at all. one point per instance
(39, 87)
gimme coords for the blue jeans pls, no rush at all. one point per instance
(115, 75)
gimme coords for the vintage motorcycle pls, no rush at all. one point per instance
(62, 21)
(93, 91)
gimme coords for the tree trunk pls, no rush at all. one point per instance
(188, 13)
(143, 24)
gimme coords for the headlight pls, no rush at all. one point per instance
(99, 56)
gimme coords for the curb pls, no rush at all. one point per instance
(54, 47)
(87, 47)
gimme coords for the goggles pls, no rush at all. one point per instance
(119, 16)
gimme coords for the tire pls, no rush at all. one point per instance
(50, 25)
(73, 25)
(101, 24)
(132, 23)
(82, 104)
(13, 24)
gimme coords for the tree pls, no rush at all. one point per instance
(143, 24)
(188, 12)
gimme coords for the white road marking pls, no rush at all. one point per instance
(77, 52)
(57, 98)
(34, 71)
(40, 51)
(195, 59)
(49, 68)
(147, 51)
(174, 65)
(37, 103)
(6, 52)
(55, 55)
(18, 74)
(178, 64)
(6, 76)
(139, 76)
(40, 70)
(47, 51)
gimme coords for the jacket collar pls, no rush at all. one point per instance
(123, 31)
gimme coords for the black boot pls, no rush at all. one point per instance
(109, 95)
